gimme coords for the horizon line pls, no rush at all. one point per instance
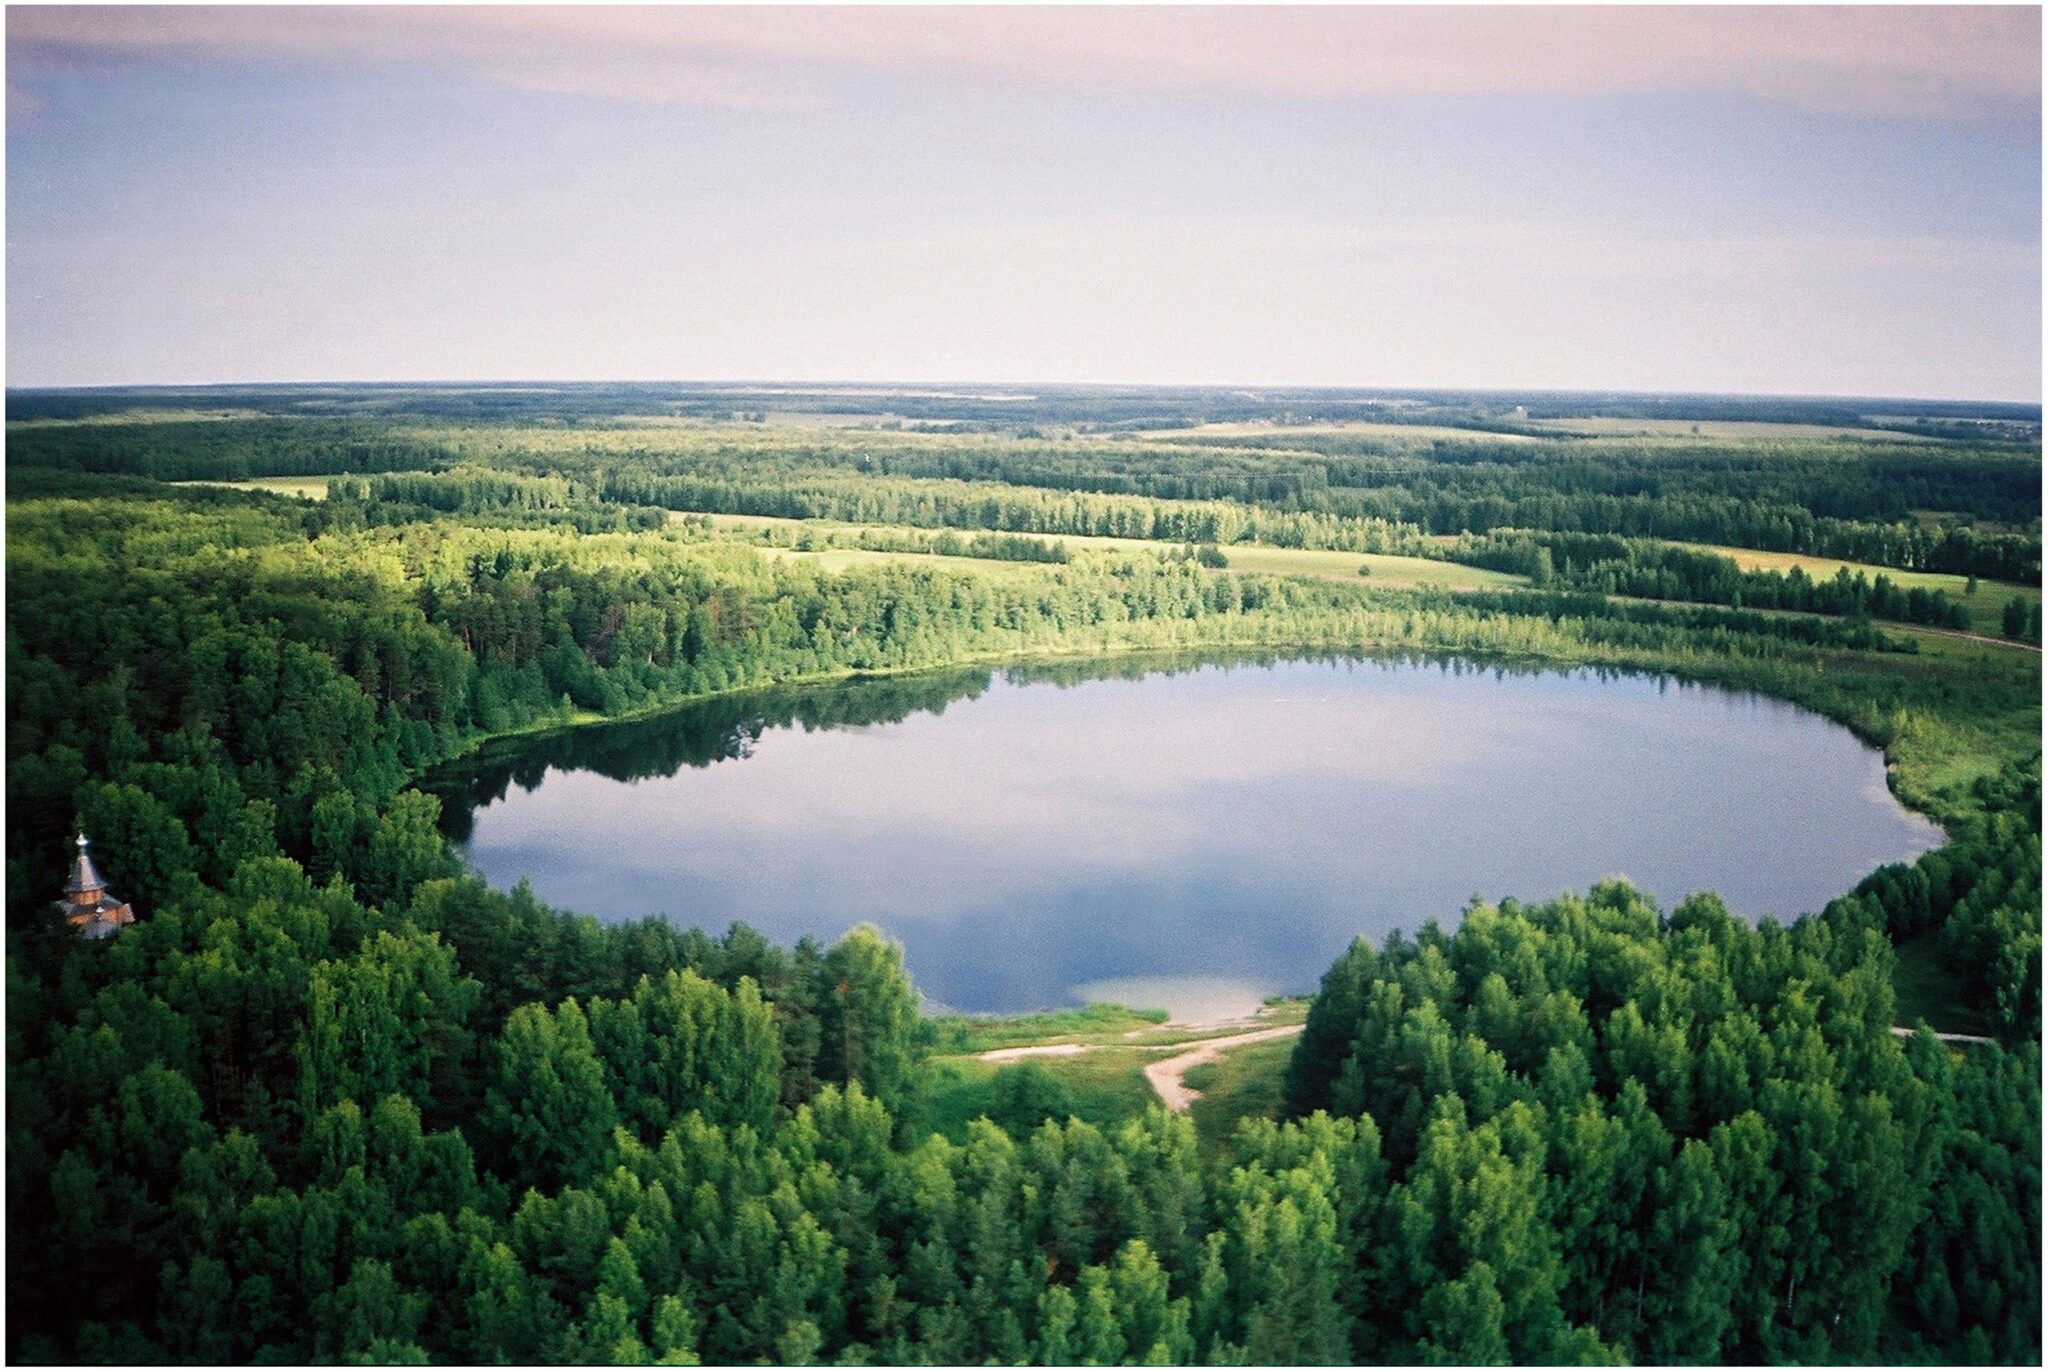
(1042, 383)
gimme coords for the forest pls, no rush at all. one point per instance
(333, 1098)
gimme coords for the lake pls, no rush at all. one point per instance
(1191, 836)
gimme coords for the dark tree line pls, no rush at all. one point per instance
(1652, 570)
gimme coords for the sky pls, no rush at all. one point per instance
(1789, 200)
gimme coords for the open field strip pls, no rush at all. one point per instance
(1395, 572)
(1984, 607)
(1988, 639)
(841, 558)
(126, 417)
(1397, 432)
(304, 487)
(1019, 1053)
(1722, 428)
(1750, 559)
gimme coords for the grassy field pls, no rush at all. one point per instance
(1937, 755)
(304, 487)
(138, 416)
(1096, 1025)
(1417, 433)
(840, 558)
(1985, 606)
(1394, 572)
(1105, 1083)
(1721, 428)
(1390, 571)
(1102, 1086)
(963, 1035)
(1242, 1083)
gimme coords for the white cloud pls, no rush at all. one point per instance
(1906, 61)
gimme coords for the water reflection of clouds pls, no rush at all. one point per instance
(1244, 823)
(1026, 758)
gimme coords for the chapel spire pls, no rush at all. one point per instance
(87, 904)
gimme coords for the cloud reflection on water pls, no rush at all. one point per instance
(1242, 823)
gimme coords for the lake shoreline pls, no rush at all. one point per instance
(1052, 844)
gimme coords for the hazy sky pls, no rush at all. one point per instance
(1816, 200)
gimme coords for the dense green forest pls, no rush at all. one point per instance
(331, 1098)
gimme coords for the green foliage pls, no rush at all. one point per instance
(869, 1030)
(332, 1100)
(1245, 1082)
(1694, 1139)
(1104, 1086)
(1648, 569)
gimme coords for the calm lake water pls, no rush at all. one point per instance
(1191, 837)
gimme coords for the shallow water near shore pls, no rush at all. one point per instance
(1191, 836)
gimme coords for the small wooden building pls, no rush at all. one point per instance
(86, 903)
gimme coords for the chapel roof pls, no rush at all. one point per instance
(84, 875)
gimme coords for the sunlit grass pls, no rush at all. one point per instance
(1985, 607)
(1393, 572)
(1105, 1081)
(1243, 1082)
(1416, 434)
(303, 487)
(1103, 1086)
(964, 1035)
(1390, 571)
(1733, 429)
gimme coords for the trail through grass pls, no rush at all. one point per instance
(1244, 1082)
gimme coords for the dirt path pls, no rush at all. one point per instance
(1969, 637)
(1949, 1036)
(1168, 1077)
(1019, 1053)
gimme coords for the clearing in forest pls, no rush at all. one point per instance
(1392, 572)
(1985, 607)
